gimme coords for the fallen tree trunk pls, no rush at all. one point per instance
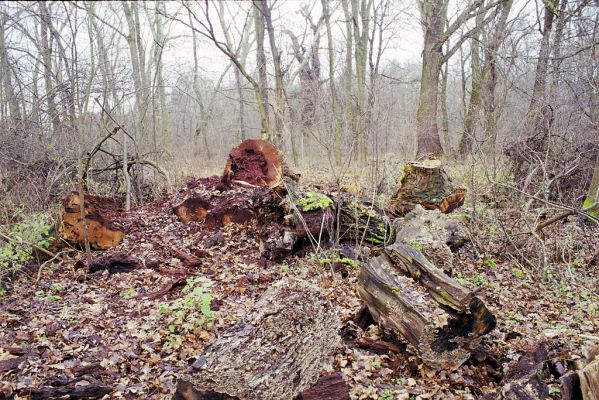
(276, 352)
(417, 304)
(426, 183)
(102, 217)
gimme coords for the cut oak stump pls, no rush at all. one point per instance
(256, 162)
(416, 304)
(426, 183)
(276, 352)
(102, 217)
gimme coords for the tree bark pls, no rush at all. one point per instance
(276, 352)
(416, 304)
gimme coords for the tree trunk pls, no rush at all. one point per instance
(489, 83)
(593, 192)
(261, 66)
(433, 15)
(471, 117)
(333, 89)
(276, 352)
(536, 118)
(276, 57)
(417, 304)
(48, 72)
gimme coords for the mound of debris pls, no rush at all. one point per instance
(257, 214)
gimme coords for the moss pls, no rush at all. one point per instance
(314, 201)
(445, 295)
(347, 261)
(416, 244)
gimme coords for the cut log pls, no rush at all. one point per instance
(426, 183)
(276, 352)
(256, 162)
(415, 303)
(102, 216)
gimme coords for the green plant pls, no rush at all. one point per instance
(488, 262)
(33, 230)
(554, 390)
(518, 273)
(128, 293)
(386, 394)
(191, 311)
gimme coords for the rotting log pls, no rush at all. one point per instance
(416, 304)
(256, 162)
(260, 204)
(102, 217)
(276, 352)
(426, 183)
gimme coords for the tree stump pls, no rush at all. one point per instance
(417, 304)
(256, 162)
(105, 228)
(426, 183)
(363, 224)
(276, 352)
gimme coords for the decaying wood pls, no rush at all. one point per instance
(426, 183)
(589, 380)
(260, 204)
(102, 216)
(115, 262)
(525, 380)
(276, 352)
(328, 387)
(363, 224)
(256, 162)
(417, 304)
(72, 391)
(570, 386)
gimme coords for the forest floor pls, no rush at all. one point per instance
(136, 331)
